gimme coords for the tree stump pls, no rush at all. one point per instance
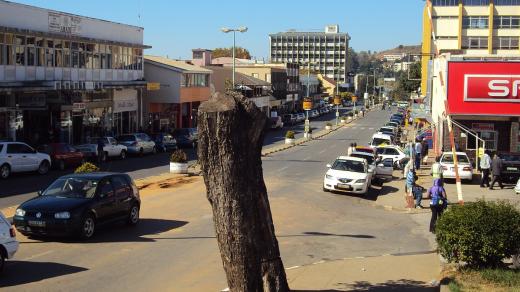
(231, 131)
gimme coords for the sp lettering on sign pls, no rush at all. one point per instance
(491, 88)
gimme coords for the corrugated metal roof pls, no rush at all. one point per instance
(182, 65)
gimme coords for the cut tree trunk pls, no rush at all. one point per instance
(231, 131)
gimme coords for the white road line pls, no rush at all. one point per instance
(293, 267)
(38, 255)
(363, 128)
(322, 151)
(307, 158)
(283, 168)
(370, 128)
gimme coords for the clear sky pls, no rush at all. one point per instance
(174, 27)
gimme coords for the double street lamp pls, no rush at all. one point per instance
(234, 30)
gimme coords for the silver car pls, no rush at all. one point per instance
(138, 143)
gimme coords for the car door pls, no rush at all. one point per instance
(110, 146)
(385, 169)
(123, 194)
(392, 153)
(106, 207)
(15, 159)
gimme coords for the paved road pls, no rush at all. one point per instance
(16, 190)
(174, 248)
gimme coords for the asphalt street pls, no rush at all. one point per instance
(174, 248)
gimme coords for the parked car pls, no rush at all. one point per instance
(112, 148)
(164, 142)
(289, 119)
(300, 117)
(138, 143)
(323, 111)
(348, 174)
(393, 124)
(186, 137)
(77, 204)
(381, 139)
(313, 114)
(20, 157)
(8, 243)
(62, 155)
(511, 166)
(382, 168)
(464, 166)
(366, 149)
(276, 122)
(393, 152)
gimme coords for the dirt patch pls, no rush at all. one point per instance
(166, 183)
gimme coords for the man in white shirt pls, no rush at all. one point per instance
(485, 165)
(418, 156)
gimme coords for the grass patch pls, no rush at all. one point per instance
(499, 280)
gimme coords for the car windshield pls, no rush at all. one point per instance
(461, 158)
(510, 157)
(348, 165)
(370, 159)
(75, 187)
(126, 138)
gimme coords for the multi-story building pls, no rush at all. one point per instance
(183, 86)
(65, 78)
(470, 28)
(325, 52)
(401, 66)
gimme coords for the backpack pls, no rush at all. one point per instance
(437, 198)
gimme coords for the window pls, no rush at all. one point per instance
(391, 151)
(475, 43)
(507, 22)
(105, 189)
(507, 2)
(475, 22)
(475, 2)
(255, 75)
(490, 137)
(18, 149)
(505, 43)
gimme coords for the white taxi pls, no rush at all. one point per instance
(348, 174)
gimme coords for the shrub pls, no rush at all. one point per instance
(481, 234)
(179, 156)
(86, 168)
(289, 135)
(328, 124)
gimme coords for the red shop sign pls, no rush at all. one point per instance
(484, 88)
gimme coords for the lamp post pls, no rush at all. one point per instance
(374, 91)
(234, 30)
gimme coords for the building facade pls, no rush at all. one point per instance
(325, 51)
(183, 87)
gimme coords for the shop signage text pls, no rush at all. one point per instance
(64, 23)
(483, 87)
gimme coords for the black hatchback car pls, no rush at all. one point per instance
(77, 204)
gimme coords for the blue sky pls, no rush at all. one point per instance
(174, 27)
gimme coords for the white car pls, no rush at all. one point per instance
(381, 139)
(390, 129)
(8, 240)
(138, 143)
(382, 169)
(111, 148)
(20, 157)
(396, 153)
(464, 166)
(348, 174)
(517, 187)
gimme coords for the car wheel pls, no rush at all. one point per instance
(141, 152)
(154, 150)
(61, 164)
(5, 171)
(2, 261)
(44, 167)
(88, 227)
(122, 155)
(133, 215)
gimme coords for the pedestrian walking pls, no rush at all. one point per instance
(485, 165)
(100, 150)
(417, 192)
(424, 152)
(410, 182)
(496, 171)
(350, 149)
(436, 170)
(418, 155)
(438, 202)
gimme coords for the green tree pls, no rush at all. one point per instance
(409, 81)
(240, 53)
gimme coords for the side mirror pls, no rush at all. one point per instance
(39, 193)
(329, 166)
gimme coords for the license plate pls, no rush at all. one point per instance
(344, 187)
(512, 168)
(36, 223)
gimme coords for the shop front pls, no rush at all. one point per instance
(484, 103)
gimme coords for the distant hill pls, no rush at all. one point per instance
(416, 49)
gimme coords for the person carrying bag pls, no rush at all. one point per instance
(438, 202)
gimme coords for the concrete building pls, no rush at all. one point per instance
(65, 78)
(401, 66)
(183, 87)
(313, 83)
(474, 29)
(325, 51)
(201, 57)
(393, 57)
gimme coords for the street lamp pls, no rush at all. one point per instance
(234, 30)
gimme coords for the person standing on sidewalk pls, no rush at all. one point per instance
(418, 154)
(424, 152)
(485, 165)
(496, 171)
(438, 202)
(436, 170)
(350, 149)
(410, 182)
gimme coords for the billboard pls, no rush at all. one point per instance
(484, 88)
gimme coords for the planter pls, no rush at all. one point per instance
(176, 167)
(307, 135)
(355, 116)
(343, 121)
(349, 119)
(289, 141)
(328, 127)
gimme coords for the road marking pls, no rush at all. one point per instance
(307, 158)
(293, 267)
(363, 128)
(370, 128)
(322, 151)
(317, 263)
(224, 290)
(38, 255)
(283, 168)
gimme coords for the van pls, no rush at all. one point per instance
(381, 139)
(8, 242)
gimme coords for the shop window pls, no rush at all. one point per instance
(490, 138)
(49, 55)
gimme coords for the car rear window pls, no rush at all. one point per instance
(126, 138)
(369, 158)
(448, 158)
(379, 141)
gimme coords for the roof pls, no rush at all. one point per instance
(92, 175)
(176, 64)
(229, 61)
(352, 158)
(312, 33)
(201, 50)
(363, 153)
(379, 135)
(220, 74)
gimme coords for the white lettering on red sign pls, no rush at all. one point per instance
(503, 88)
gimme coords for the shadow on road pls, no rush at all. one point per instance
(398, 285)
(117, 233)
(22, 272)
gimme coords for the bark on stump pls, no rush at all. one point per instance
(231, 131)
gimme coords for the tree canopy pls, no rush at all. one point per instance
(240, 53)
